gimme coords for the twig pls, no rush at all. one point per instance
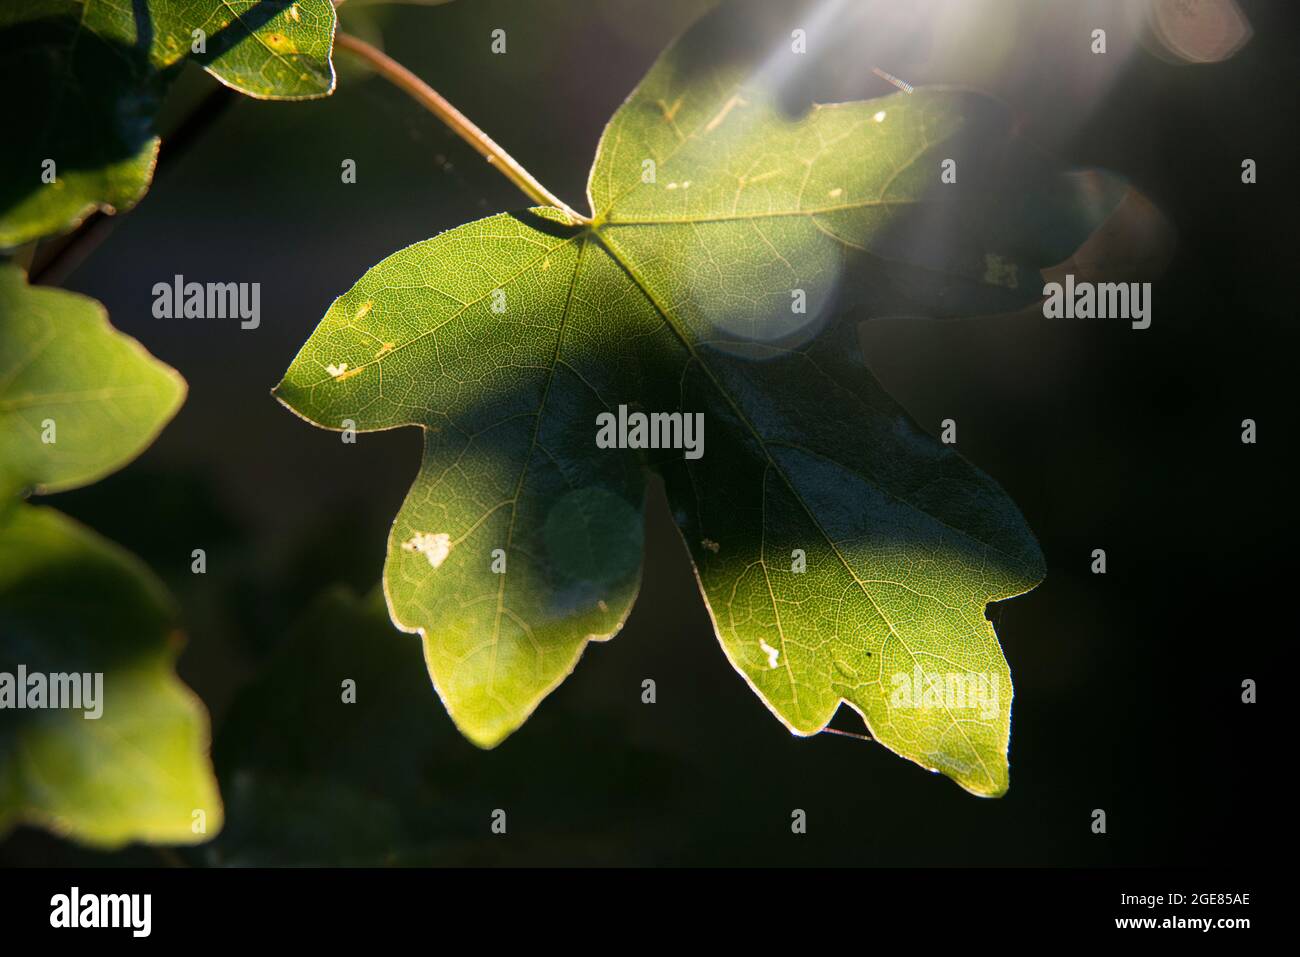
(456, 121)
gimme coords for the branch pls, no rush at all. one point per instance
(457, 122)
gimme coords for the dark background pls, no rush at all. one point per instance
(1127, 685)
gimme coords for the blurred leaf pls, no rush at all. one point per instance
(71, 602)
(67, 374)
(715, 215)
(83, 80)
(79, 400)
(79, 95)
(381, 778)
(302, 768)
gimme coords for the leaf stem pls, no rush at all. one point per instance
(456, 121)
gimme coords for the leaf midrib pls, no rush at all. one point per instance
(625, 263)
(532, 448)
(607, 244)
(767, 214)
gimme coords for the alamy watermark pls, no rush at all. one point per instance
(652, 430)
(179, 299)
(83, 691)
(953, 691)
(75, 909)
(1098, 300)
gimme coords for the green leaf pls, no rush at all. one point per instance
(82, 95)
(70, 603)
(268, 49)
(505, 338)
(79, 400)
(502, 457)
(67, 376)
(84, 79)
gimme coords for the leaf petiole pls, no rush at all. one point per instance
(456, 121)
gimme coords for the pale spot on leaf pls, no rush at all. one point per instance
(1000, 272)
(772, 653)
(280, 43)
(435, 546)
